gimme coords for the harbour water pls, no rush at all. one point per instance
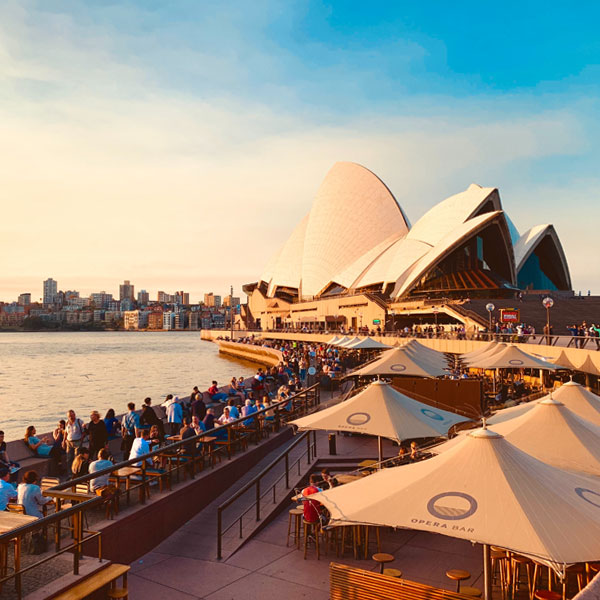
(43, 374)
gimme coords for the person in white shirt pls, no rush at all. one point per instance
(7, 491)
(100, 482)
(30, 495)
(140, 447)
(225, 417)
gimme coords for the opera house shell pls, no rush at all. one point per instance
(356, 238)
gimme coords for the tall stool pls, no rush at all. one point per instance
(546, 595)
(382, 558)
(313, 527)
(295, 515)
(516, 563)
(393, 573)
(377, 538)
(458, 575)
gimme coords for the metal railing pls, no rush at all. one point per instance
(39, 528)
(310, 453)
(277, 414)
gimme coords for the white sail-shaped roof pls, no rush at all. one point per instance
(453, 239)
(352, 213)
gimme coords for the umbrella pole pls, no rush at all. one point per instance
(487, 573)
(380, 449)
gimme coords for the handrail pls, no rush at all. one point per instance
(276, 407)
(255, 482)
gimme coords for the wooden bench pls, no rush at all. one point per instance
(95, 582)
(349, 583)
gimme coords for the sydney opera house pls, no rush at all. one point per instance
(355, 257)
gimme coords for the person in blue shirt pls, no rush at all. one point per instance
(248, 410)
(30, 495)
(7, 491)
(43, 449)
(130, 425)
(234, 413)
(112, 424)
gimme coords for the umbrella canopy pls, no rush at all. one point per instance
(368, 344)
(400, 361)
(334, 340)
(489, 351)
(575, 397)
(486, 348)
(348, 342)
(552, 433)
(486, 490)
(511, 357)
(580, 400)
(425, 354)
(381, 410)
(340, 341)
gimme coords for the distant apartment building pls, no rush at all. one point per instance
(169, 320)
(235, 300)
(182, 298)
(165, 298)
(127, 304)
(127, 291)
(135, 319)
(212, 301)
(50, 291)
(143, 298)
(101, 299)
(78, 302)
(24, 299)
(155, 320)
(195, 320)
(114, 306)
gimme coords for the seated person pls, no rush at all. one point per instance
(140, 447)
(215, 395)
(327, 479)
(29, 494)
(98, 484)
(312, 508)
(209, 419)
(234, 413)
(81, 463)
(43, 448)
(5, 461)
(248, 410)
(7, 492)
(197, 425)
(187, 432)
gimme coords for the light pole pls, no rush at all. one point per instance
(490, 308)
(231, 310)
(548, 304)
(393, 313)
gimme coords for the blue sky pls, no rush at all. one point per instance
(135, 132)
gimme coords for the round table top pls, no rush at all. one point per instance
(382, 557)
(465, 590)
(547, 595)
(458, 574)
(392, 572)
(296, 511)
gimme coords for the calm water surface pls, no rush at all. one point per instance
(42, 375)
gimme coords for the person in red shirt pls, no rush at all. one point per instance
(312, 508)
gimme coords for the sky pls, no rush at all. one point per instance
(177, 144)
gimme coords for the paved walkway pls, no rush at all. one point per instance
(185, 564)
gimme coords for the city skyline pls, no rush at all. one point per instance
(176, 146)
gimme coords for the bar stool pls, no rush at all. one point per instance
(458, 575)
(516, 563)
(377, 538)
(393, 573)
(470, 591)
(295, 514)
(118, 593)
(382, 558)
(547, 595)
(580, 572)
(313, 527)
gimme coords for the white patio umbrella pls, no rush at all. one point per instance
(334, 340)
(485, 490)
(511, 357)
(385, 412)
(580, 400)
(400, 361)
(482, 350)
(368, 344)
(489, 351)
(348, 342)
(552, 433)
(426, 354)
(340, 341)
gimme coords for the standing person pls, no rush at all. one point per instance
(98, 435)
(149, 417)
(112, 424)
(75, 434)
(130, 425)
(7, 491)
(174, 416)
(198, 408)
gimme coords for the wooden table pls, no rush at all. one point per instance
(366, 464)
(343, 478)
(70, 495)
(125, 473)
(9, 521)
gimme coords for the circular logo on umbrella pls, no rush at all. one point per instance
(358, 418)
(589, 496)
(432, 414)
(398, 367)
(452, 506)
(515, 361)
